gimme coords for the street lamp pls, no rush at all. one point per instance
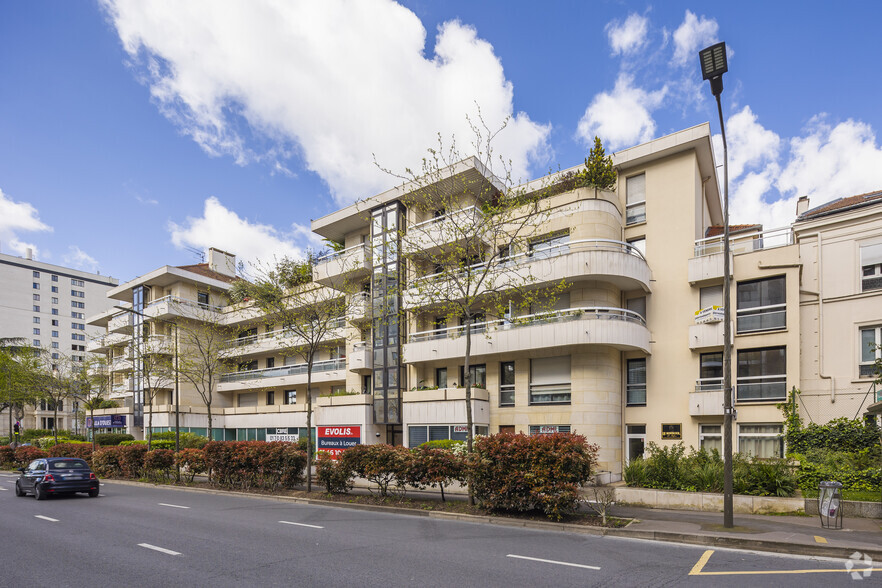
(177, 397)
(713, 66)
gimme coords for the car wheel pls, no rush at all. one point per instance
(93, 493)
(39, 494)
(18, 490)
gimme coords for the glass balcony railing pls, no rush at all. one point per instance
(288, 370)
(277, 335)
(762, 388)
(745, 243)
(173, 300)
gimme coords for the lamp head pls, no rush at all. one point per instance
(714, 65)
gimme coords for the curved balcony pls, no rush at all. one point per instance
(442, 231)
(349, 264)
(607, 260)
(615, 327)
(333, 370)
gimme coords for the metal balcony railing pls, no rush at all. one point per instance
(744, 243)
(288, 370)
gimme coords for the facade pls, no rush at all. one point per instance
(629, 351)
(46, 305)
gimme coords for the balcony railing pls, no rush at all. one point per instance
(184, 302)
(762, 388)
(452, 215)
(338, 254)
(506, 395)
(761, 318)
(569, 314)
(544, 252)
(288, 370)
(708, 384)
(278, 334)
(745, 243)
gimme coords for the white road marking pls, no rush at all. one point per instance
(172, 505)
(159, 549)
(4, 489)
(102, 495)
(551, 561)
(51, 520)
(301, 525)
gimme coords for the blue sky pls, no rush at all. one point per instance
(132, 131)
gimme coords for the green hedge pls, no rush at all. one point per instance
(113, 438)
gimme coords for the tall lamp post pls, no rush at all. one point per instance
(713, 66)
(177, 396)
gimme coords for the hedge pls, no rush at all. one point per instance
(80, 450)
(113, 438)
(247, 465)
(26, 454)
(190, 462)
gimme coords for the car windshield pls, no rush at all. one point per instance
(69, 464)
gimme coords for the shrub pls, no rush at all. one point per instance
(105, 462)
(333, 475)
(7, 456)
(29, 435)
(443, 444)
(435, 467)
(635, 473)
(4, 441)
(26, 454)
(254, 464)
(191, 462)
(663, 466)
(384, 465)
(75, 449)
(187, 440)
(840, 434)
(520, 472)
(131, 460)
(113, 438)
(158, 463)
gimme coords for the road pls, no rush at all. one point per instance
(146, 536)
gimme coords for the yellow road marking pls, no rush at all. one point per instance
(702, 561)
(820, 539)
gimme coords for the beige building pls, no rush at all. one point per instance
(628, 352)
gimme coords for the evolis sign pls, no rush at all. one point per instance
(334, 440)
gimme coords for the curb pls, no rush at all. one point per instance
(623, 533)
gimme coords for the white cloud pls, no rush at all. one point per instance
(623, 117)
(336, 81)
(629, 36)
(145, 200)
(222, 228)
(693, 34)
(79, 259)
(15, 218)
(750, 144)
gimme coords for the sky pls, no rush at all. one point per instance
(138, 133)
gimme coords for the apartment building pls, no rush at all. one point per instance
(627, 353)
(46, 306)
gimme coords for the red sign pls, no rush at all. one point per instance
(460, 428)
(334, 440)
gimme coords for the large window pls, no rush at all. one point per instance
(419, 434)
(762, 374)
(550, 380)
(710, 437)
(761, 440)
(710, 372)
(635, 187)
(290, 397)
(871, 339)
(507, 383)
(871, 267)
(477, 376)
(441, 377)
(762, 305)
(549, 246)
(636, 387)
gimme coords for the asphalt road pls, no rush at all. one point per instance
(145, 536)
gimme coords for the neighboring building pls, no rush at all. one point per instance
(630, 353)
(46, 305)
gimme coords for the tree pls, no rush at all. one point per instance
(18, 369)
(95, 386)
(599, 170)
(467, 227)
(61, 380)
(309, 313)
(157, 370)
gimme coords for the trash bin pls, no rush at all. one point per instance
(830, 505)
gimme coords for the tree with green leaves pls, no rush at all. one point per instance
(599, 170)
(19, 368)
(312, 316)
(96, 383)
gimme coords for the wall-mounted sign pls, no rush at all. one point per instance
(460, 428)
(672, 431)
(335, 440)
(711, 314)
(278, 437)
(106, 421)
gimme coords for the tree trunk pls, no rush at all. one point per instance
(55, 421)
(210, 428)
(309, 361)
(468, 397)
(92, 413)
(149, 421)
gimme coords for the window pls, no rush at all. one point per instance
(477, 376)
(637, 305)
(55, 289)
(75, 282)
(549, 246)
(710, 372)
(54, 300)
(270, 362)
(78, 326)
(36, 274)
(270, 397)
(36, 297)
(77, 293)
(36, 342)
(54, 278)
(639, 245)
(507, 383)
(441, 377)
(247, 399)
(56, 356)
(76, 337)
(710, 296)
(710, 437)
(871, 339)
(78, 315)
(871, 267)
(761, 440)
(635, 438)
(36, 286)
(36, 330)
(202, 298)
(55, 345)
(55, 333)
(290, 397)
(762, 374)
(36, 308)
(550, 380)
(549, 429)
(761, 305)
(54, 322)
(36, 320)
(636, 386)
(75, 304)
(55, 311)
(419, 434)
(635, 198)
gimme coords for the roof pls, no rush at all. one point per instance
(716, 230)
(842, 205)
(203, 270)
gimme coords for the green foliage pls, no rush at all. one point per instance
(384, 465)
(26, 454)
(155, 444)
(191, 462)
(599, 170)
(72, 449)
(443, 444)
(113, 438)
(247, 465)
(7, 456)
(856, 470)
(105, 462)
(335, 477)
(520, 472)
(29, 435)
(840, 434)
(131, 460)
(187, 440)
(432, 467)
(159, 463)
(102, 404)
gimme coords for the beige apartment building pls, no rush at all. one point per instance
(630, 351)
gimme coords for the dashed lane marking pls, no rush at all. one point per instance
(50, 519)
(159, 549)
(551, 561)
(698, 569)
(172, 505)
(301, 525)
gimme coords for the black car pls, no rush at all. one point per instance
(56, 475)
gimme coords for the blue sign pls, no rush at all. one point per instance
(106, 421)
